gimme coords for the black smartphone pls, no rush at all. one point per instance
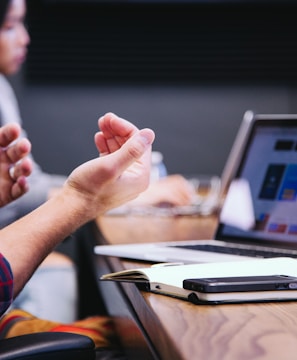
(241, 283)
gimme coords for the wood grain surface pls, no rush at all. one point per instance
(181, 330)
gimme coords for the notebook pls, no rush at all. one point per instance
(258, 217)
(169, 280)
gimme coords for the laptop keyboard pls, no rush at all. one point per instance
(263, 252)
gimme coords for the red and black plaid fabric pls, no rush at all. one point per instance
(6, 285)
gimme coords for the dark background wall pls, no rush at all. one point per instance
(188, 71)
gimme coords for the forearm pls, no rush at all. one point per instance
(91, 189)
(29, 240)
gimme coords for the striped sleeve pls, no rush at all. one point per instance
(6, 285)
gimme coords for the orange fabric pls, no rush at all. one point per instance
(18, 322)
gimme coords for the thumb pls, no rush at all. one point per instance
(137, 145)
(134, 149)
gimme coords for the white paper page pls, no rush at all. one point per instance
(174, 275)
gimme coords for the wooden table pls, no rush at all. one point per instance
(160, 327)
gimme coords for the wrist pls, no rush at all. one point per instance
(80, 205)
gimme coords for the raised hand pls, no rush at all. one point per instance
(14, 166)
(123, 169)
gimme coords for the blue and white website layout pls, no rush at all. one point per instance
(270, 168)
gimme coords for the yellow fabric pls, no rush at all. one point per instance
(18, 322)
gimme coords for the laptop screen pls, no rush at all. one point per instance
(269, 167)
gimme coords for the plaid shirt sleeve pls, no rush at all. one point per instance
(6, 285)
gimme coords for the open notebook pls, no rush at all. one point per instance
(168, 280)
(259, 214)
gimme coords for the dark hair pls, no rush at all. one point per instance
(3, 10)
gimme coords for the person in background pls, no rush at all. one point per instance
(56, 277)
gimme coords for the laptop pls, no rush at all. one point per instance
(258, 217)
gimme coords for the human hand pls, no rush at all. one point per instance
(120, 173)
(171, 190)
(14, 166)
